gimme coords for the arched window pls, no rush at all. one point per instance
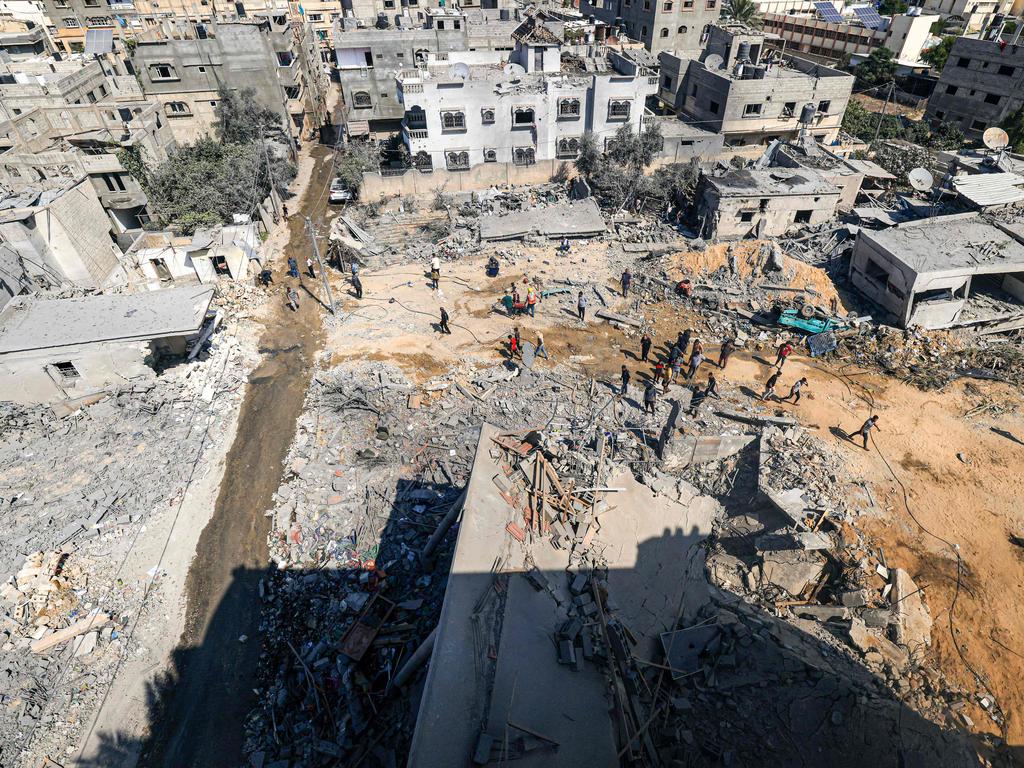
(416, 118)
(664, 31)
(568, 147)
(453, 121)
(487, 116)
(490, 155)
(683, 29)
(457, 161)
(422, 161)
(524, 156)
(361, 100)
(618, 110)
(569, 108)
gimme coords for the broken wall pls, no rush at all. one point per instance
(31, 377)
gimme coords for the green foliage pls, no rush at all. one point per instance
(878, 68)
(617, 178)
(745, 11)
(938, 54)
(240, 118)
(860, 122)
(892, 7)
(132, 161)
(900, 161)
(589, 159)
(677, 183)
(1014, 127)
(356, 159)
(205, 183)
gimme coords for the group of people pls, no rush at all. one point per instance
(515, 345)
(516, 303)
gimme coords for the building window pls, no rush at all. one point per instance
(487, 116)
(963, 62)
(71, 23)
(713, 106)
(67, 370)
(524, 156)
(522, 116)
(682, 30)
(92, 3)
(440, 24)
(457, 161)
(162, 72)
(568, 147)
(711, 4)
(667, 5)
(952, 89)
(978, 125)
(647, 5)
(823, 106)
(1006, 70)
(746, 216)
(315, 18)
(284, 58)
(568, 107)
(940, 114)
(618, 110)
(416, 118)
(490, 155)
(664, 32)
(802, 217)
(60, 3)
(752, 110)
(789, 109)
(643, 32)
(992, 98)
(687, 5)
(361, 100)
(177, 109)
(666, 82)
(453, 121)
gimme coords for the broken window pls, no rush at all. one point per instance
(875, 272)
(752, 110)
(162, 72)
(457, 161)
(992, 98)
(177, 109)
(963, 62)
(1006, 70)
(802, 217)
(361, 100)
(220, 266)
(789, 109)
(935, 295)
(522, 116)
(568, 107)
(524, 156)
(67, 370)
(453, 121)
(746, 216)
(823, 106)
(713, 106)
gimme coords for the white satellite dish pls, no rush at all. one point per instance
(995, 138)
(714, 61)
(920, 179)
(459, 70)
(514, 70)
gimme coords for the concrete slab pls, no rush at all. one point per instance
(581, 218)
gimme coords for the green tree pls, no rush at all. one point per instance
(617, 178)
(947, 136)
(745, 11)
(1014, 127)
(892, 7)
(589, 158)
(355, 160)
(239, 118)
(937, 55)
(878, 68)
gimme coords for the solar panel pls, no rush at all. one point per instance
(99, 41)
(869, 17)
(828, 12)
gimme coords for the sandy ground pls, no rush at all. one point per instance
(970, 500)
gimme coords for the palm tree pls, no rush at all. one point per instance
(745, 11)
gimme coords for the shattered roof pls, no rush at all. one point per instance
(985, 189)
(535, 33)
(28, 323)
(771, 182)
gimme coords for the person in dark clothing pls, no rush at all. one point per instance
(650, 398)
(626, 280)
(625, 379)
(711, 390)
(444, 321)
(266, 277)
(581, 306)
(293, 267)
(645, 347)
(728, 346)
(357, 284)
(683, 339)
(674, 354)
(769, 387)
(794, 391)
(659, 372)
(519, 339)
(865, 430)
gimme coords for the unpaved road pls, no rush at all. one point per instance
(199, 716)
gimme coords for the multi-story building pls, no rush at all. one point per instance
(982, 83)
(859, 32)
(21, 39)
(369, 57)
(184, 66)
(750, 97)
(973, 16)
(45, 81)
(661, 25)
(465, 109)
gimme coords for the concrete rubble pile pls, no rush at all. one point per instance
(79, 488)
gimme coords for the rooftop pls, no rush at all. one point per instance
(28, 323)
(772, 182)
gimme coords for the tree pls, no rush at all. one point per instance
(358, 158)
(892, 7)
(948, 136)
(878, 68)
(939, 53)
(240, 118)
(589, 158)
(1014, 127)
(617, 178)
(745, 11)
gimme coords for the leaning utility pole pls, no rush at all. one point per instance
(320, 264)
(270, 175)
(881, 117)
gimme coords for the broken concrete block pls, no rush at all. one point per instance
(85, 644)
(913, 621)
(866, 641)
(792, 570)
(855, 598)
(821, 612)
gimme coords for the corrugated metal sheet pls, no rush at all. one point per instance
(986, 189)
(870, 169)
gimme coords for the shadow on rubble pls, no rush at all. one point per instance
(742, 688)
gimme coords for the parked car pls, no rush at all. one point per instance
(340, 193)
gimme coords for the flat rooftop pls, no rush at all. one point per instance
(772, 182)
(953, 243)
(28, 323)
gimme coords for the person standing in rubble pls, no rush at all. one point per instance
(794, 391)
(625, 381)
(357, 286)
(698, 347)
(310, 269)
(865, 429)
(696, 359)
(650, 398)
(683, 339)
(519, 338)
(266, 277)
(677, 367)
(645, 347)
(784, 351)
(542, 351)
(443, 325)
(581, 307)
(626, 280)
(564, 247)
(531, 300)
(435, 272)
(293, 267)
(293, 298)
(769, 387)
(728, 347)
(674, 355)
(659, 372)
(711, 389)
(513, 347)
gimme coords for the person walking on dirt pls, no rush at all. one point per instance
(310, 268)
(542, 351)
(784, 351)
(711, 389)
(357, 285)
(293, 298)
(769, 387)
(513, 347)
(650, 398)
(266, 277)
(659, 372)
(698, 347)
(674, 355)
(794, 391)
(695, 362)
(443, 325)
(645, 347)
(519, 339)
(865, 429)
(683, 339)
(293, 267)
(625, 380)
(728, 347)
(531, 301)
(435, 272)
(626, 280)
(581, 307)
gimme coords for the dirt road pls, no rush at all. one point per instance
(198, 716)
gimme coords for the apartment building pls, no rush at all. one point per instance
(973, 16)
(466, 109)
(45, 81)
(751, 97)
(661, 25)
(982, 83)
(367, 57)
(852, 31)
(183, 66)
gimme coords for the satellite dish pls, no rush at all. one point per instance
(459, 70)
(995, 138)
(920, 179)
(514, 70)
(714, 61)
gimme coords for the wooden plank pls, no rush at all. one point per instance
(80, 627)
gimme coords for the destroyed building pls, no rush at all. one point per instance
(750, 95)
(22, 39)
(518, 109)
(669, 25)
(55, 349)
(948, 271)
(210, 255)
(764, 203)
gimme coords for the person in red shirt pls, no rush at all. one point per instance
(784, 350)
(513, 346)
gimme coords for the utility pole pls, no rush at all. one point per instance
(270, 175)
(320, 264)
(881, 117)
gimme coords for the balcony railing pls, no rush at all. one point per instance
(416, 133)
